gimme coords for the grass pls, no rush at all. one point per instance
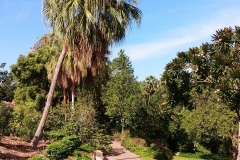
(185, 158)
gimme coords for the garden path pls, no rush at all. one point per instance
(120, 153)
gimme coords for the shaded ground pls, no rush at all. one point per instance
(15, 148)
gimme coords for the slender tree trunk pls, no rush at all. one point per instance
(149, 98)
(65, 103)
(41, 125)
(238, 156)
(122, 123)
(65, 96)
(73, 95)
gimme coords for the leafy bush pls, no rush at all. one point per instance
(108, 148)
(139, 147)
(116, 136)
(63, 148)
(95, 138)
(25, 120)
(130, 143)
(6, 109)
(167, 153)
(38, 157)
(87, 147)
(122, 135)
(203, 150)
(54, 135)
(77, 155)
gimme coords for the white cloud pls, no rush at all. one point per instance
(184, 36)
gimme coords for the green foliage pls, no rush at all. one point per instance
(95, 139)
(121, 135)
(153, 116)
(139, 147)
(77, 155)
(199, 155)
(30, 69)
(25, 121)
(29, 73)
(59, 149)
(63, 148)
(80, 121)
(87, 147)
(38, 157)
(120, 92)
(203, 150)
(63, 121)
(178, 81)
(195, 78)
(54, 135)
(185, 158)
(129, 142)
(179, 140)
(149, 152)
(209, 124)
(7, 86)
(6, 109)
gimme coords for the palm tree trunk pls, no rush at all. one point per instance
(41, 125)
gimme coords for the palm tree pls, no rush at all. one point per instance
(87, 28)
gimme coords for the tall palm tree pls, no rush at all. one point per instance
(87, 28)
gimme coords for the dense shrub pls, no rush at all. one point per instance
(149, 152)
(87, 147)
(95, 138)
(77, 155)
(63, 121)
(139, 147)
(167, 153)
(6, 109)
(54, 135)
(25, 120)
(63, 148)
(130, 143)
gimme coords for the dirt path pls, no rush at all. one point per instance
(120, 153)
(12, 148)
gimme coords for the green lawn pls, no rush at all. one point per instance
(184, 158)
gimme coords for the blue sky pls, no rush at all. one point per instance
(168, 27)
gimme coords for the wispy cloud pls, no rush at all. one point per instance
(184, 36)
(11, 11)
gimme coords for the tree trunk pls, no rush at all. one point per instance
(122, 123)
(238, 156)
(73, 95)
(41, 125)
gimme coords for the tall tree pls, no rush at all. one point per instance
(149, 86)
(216, 67)
(120, 91)
(87, 28)
(178, 80)
(7, 86)
(153, 113)
(226, 63)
